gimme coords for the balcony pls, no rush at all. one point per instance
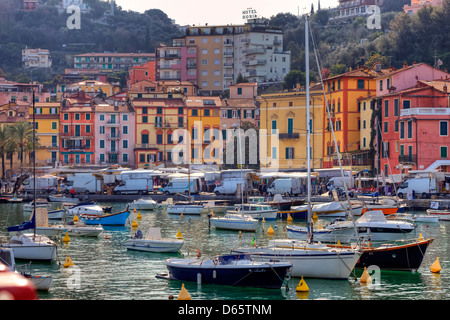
(411, 158)
(113, 136)
(145, 146)
(425, 112)
(162, 125)
(112, 123)
(284, 136)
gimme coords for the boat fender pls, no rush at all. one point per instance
(214, 274)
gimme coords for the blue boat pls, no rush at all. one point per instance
(113, 219)
(229, 269)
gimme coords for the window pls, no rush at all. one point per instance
(396, 112)
(194, 133)
(124, 117)
(125, 144)
(158, 122)
(402, 130)
(169, 138)
(125, 129)
(290, 153)
(194, 112)
(144, 119)
(125, 157)
(443, 128)
(144, 137)
(102, 144)
(406, 104)
(239, 91)
(409, 129)
(444, 152)
(396, 126)
(54, 125)
(66, 116)
(386, 126)
(77, 116)
(386, 108)
(144, 110)
(159, 139)
(88, 129)
(206, 113)
(102, 117)
(274, 126)
(360, 83)
(180, 122)
(88, 116)
(274, 152)
(159, 110)
(381, 85)
(180, 110)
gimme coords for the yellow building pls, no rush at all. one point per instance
(92, 88)
(343, 93)
(47, 131)
(160, 121)
(283, 118)
(204, 128)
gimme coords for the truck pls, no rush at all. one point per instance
(288, 186)
(338, 182)
(180, 185)
(230, 186)
(43, 183)
(82, 183)
(424, 187)
(134, 186)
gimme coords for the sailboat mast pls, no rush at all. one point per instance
(308, 129)
(34, 162)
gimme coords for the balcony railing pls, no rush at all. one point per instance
(283, 136)
(411, 158)
(145, 146)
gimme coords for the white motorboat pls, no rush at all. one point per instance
(373, 225)
(217, 207)
(257, 211)
(309, 260)
(57, 214)
(241, 222)
(185, 209)
(143, 204)
(427, 218)
(164, 204)
(443, 215)
(85, 208)
(153, 242)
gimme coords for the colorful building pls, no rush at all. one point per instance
(145, 71)
(93, 88)
(283, 135)
(11, 91)
(203, 124)
(416, 5)
(114, 133)
(161, 118)
(414, 127)
(47, 131)
(77, 134)
(111, 62)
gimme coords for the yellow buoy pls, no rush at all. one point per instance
(270, 230)
(75, 218)
(264, 220)
(68, 262)
(302, 286)
(184, 294)
(314, 216)
(139, 216)
(289, 218)
(420, 237)
(134, 224)
(365, 277)
(134, 210)
(436, 266)
(339, 243)
(179, 234)
(66, 238)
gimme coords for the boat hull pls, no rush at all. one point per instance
(148, 245)
(115, 219)
(185, 209)
(444, 215)
(308, 264)
(262, 275)
(406, 257)
(232, 224)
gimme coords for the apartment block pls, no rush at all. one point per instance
(36, 58)
(111, 62)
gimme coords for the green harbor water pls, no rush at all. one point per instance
(104, 269)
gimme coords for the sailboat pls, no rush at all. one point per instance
(27, 245)
(309, 259)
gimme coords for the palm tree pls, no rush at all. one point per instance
(21, 134)
(3, 144)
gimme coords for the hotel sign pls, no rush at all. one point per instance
(249, 13)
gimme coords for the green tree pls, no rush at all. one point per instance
(21, 134)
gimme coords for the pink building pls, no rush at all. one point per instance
(11, 91)
(415, 127)
(416, 5)
(114, 133)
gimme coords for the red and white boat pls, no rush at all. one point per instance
(444, 215)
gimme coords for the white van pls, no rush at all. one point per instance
(48, 183)
(338, 182)
(134, 186)
(289, 186)
(421, 186)
(229, 186)
(180, 185)
(82, 183)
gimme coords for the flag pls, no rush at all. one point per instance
(253, 242)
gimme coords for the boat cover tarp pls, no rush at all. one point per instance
(327, 207)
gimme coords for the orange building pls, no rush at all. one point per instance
(342, 95)
(142, 72)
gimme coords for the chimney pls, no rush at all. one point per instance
(378, 67)
(445, 88)
(405, 64)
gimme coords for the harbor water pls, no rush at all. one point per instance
(104, 269)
